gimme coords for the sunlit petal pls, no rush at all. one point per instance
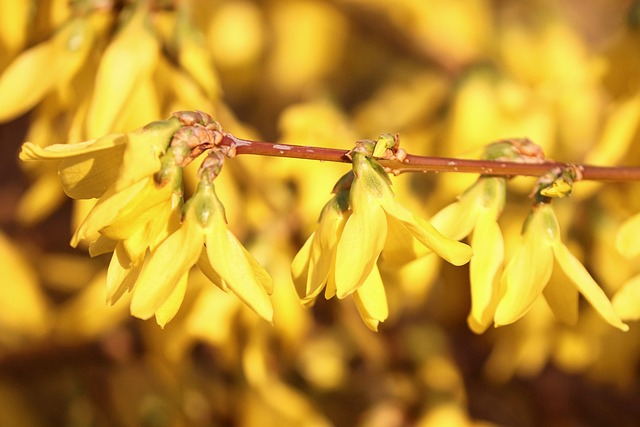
(167, 264)
(228, 258)
(524, 278)
(588, 287)
(360, 245)
(371, 300)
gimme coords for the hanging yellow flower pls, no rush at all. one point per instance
(204, 239)
(356, 226)
(529, 271)
(477, 210)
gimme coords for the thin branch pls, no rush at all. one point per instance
(412, 163)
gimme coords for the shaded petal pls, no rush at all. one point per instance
(171, 305)
(207, 269)
(524, 278)
(175, 256)
(322, 256)
(229, 259)
(102, 245)
(626, 301)
(588, 287)
(488, 249)
(401, 246)
(107, 210)
(149, 203)
(121, 274)
(300, 269)
(371, 300)
(86, 169)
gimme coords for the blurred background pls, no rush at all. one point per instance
(448, 76)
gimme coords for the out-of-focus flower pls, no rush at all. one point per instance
(529, 270)
(627, 300)
(25, 313)
(361, 221)
(204, 239)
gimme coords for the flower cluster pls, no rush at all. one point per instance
(139, 215)
(359, 224)
(502, 297)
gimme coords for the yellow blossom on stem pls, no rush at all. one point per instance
(356, 226)
(375, 210)
(204, 239)
(87, 169)
(529, 270)
(476, 211)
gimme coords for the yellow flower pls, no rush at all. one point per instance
(87, 169)
(477, 210)
(376, 215)
(202, 239)
(361, 222)
(529, 271)
(314, 265)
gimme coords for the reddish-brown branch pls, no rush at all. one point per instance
(414, 163)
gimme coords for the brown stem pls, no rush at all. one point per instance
(412, 163)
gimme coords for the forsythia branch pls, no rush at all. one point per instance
(414, 163)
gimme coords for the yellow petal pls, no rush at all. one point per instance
(371, 300)
(452, 251)
(172, 304)
(229, 259)
(360, 245)
(457, 220)
(627, 237)
(175, 256)
(322, 254)
(488, 249)
(524, 278)
(108, 209)
(121, 274)
(587, 286)
(149, 203)
(131, 56)
(86, 169)
(142, 153)
(205, 267)
(626, 301)
(31, 151)
(102, 245)
(401, 246)
(300, 268)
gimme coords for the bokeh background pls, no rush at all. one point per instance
(449, 77)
